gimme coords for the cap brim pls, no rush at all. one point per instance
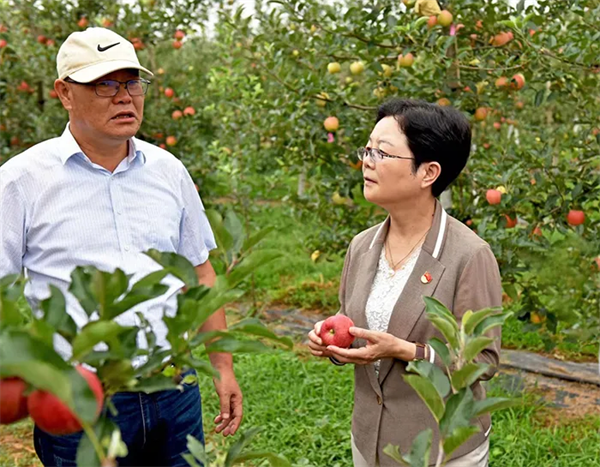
(99, 70)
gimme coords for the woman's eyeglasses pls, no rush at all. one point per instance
(376, 155)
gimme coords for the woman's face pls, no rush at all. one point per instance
(392, 181)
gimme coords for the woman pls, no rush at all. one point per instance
(414, 152)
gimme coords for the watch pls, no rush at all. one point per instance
(420, 351)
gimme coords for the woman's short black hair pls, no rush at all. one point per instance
(434, 134)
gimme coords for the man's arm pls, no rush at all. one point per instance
(227, 387)
(12, 226)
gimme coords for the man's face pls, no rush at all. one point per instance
(118, 117)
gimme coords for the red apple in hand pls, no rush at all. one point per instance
(335, 331)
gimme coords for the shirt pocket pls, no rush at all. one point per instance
(162, 226)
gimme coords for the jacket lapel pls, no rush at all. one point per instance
(410, 305)
(367, 268)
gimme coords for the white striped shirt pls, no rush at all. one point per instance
(58, 210)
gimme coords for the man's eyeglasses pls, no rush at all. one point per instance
(111, 87)
(376, 155)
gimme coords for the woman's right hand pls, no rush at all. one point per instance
(315, 343)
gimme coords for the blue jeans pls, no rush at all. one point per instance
(154, 427)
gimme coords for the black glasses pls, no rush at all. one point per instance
(111, 87)
(376, 155)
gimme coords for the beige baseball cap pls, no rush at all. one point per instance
(90, 54)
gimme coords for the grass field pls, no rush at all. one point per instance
(305, 405)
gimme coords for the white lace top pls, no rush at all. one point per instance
(385, 291)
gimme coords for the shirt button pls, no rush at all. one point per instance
(379, 399)
(126, 248)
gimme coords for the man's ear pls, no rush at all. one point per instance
(65, 93)
(433, 171)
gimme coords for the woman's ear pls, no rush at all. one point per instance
(432, 172)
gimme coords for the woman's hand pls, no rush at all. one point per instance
(379, 345)
(316, 344)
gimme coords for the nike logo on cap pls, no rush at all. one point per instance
(103, 49)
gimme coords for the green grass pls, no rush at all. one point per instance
(305, 406)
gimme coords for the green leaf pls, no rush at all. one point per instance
(11, 290)
(433, 374)
(475, 346)
(251, 263)
(235, 228)
(540, 97)
(109, 434)
(459, 411)
(154, 383)
(420, 450)
(222, 237)
(108, 287)
(428, 393)
(491, 404)
(447, 330)
(458, 437)
(230, 344)
(474, 319)
(147, 282)
(441, 349)
(254, 327)
(256, 238)
(467, 375)
(236, 449)
(436, 308)
(176, 264)
(93, 333)
(196, 448)
(55, 313)
(490, 323)
(274, 460)
(80, 287)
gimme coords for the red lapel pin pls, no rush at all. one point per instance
(426, 278)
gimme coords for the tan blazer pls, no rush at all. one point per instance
(465, 277)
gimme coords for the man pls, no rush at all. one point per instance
(98, 196)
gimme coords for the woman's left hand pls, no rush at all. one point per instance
(379, 345)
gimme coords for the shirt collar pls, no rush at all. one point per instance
(70, 148)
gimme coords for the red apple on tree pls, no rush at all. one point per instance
(517, 81)
(335, 331)
(179, 34)
(51, 415)
(493, 196)
(83, 22)
(575, 217)
(169, 92)
(331, 124)
(3, 43)
(481, 113)
(13, 402)
(189, 111)
(510, 222)
(177, 45)
(177, 114)
(444, 18)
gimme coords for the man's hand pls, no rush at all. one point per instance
(230, 397)
(379, 345)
